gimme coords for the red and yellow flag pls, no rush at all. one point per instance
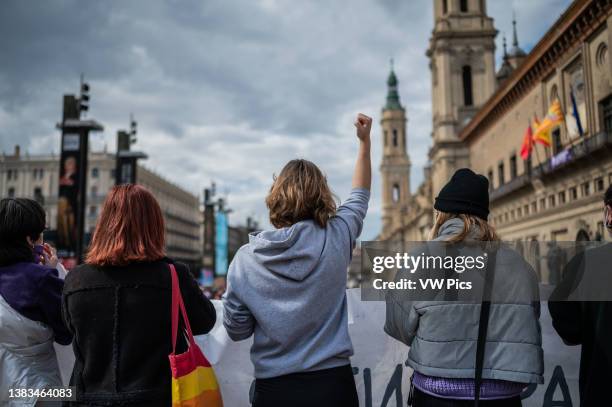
(527, 143)
(553, 118)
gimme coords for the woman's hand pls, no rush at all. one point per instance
(362, 176)
(50, 255)
(363, 124)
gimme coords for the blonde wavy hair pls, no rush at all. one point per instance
(300, 192)
(487, 232)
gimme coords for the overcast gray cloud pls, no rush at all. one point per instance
(230, 90)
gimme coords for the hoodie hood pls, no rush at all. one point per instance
(292, 252)
(453, 227)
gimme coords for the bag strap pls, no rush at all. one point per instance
(451, 295)
(177, 303)
(483, 324)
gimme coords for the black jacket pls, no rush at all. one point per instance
(587, 323)
(120, 318)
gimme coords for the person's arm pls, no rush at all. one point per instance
(354, 209)
(50, 302)
(567, 320)
(567, 315)
(237, 318)
(362, 176)
(401, 321)
(200, 310)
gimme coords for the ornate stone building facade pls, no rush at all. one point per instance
(557, 193)
(462, 62)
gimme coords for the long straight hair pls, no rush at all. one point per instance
(470, 222)
(130, 228)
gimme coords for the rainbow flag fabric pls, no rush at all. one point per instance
(194, 383)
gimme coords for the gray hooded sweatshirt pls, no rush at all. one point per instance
(287, 288)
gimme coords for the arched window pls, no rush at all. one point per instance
(468, 97)
(601, 55)
(394, 137)
(444, 6)
(554, 93)
(385, 137)
(582, 236)
(463, 5)
(396, 193)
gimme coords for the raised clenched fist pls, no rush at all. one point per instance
(363, 124)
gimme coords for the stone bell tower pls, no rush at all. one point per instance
(395, 166)
(462, 63)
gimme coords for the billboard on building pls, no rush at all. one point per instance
(221, 243)
(209, 236)
(207, 277)
(70, 174)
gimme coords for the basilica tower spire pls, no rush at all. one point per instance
(395, 166)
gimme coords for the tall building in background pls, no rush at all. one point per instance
(480, 119)
(182, 214)
(405, 215)
(395, 166)
(37, 177)
(462, 62)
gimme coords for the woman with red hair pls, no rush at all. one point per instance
(117, 305)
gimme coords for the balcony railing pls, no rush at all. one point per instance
(568, 157)
(513, 185)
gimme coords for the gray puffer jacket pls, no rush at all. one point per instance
(442, 335)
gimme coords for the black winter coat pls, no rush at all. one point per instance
(120, 318)
(587, 323)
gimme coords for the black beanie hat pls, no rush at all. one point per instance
(465, 193)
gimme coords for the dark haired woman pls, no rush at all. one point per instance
(118, 306)
(287, 287)
(30, 300)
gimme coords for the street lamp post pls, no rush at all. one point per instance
(127, 160)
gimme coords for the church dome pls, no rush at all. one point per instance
(517, 51)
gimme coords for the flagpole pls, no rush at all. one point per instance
(535, 147)
(567, 135)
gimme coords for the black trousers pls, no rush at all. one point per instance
(333, 387)
(421, 399)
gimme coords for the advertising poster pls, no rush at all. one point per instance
(69, 182)
(221, 241)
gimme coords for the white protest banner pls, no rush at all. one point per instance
(383, 379)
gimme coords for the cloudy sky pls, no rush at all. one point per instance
(230, 90)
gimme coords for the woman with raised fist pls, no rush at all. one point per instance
(287, 287)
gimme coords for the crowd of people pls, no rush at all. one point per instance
(286, 288)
